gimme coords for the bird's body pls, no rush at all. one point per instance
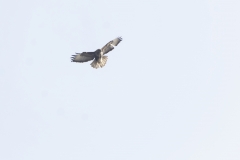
(99, 59)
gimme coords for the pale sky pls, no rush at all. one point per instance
(169, 91)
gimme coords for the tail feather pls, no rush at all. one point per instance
(97, 64)
(94, 64)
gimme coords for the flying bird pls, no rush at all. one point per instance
(99, 59)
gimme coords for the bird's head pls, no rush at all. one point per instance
(98, 51)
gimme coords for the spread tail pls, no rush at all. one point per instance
(99, 63)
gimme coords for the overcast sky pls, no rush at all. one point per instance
(169, 91)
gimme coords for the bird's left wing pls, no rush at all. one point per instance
(83, 57)
(110, 45)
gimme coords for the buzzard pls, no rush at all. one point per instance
(99, 59)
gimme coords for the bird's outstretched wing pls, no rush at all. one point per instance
(110, 45)
(83, 57)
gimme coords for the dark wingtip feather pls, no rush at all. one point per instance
(72, 58)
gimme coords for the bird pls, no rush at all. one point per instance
(99, 59)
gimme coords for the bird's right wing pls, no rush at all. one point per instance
(110, 45)
(83, 57)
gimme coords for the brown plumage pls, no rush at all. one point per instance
(99, 59)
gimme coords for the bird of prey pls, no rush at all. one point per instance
(99, 59)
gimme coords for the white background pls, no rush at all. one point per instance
(169, 91)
